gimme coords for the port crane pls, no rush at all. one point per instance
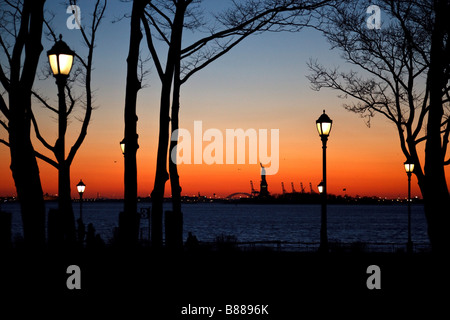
(253, 192)
(301, 187)
(283, 190)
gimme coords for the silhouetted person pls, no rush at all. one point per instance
(99, 243)
(90, 236)
(93, 239)
(81, 231)
(191, 241)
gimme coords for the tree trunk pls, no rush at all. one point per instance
(177, 215)
(161, 165)
(436, 197)
(65, 204)
(64, 196)
(24, 166)
(173, 169)
(25, 173)
(163, 144)
(129, 228)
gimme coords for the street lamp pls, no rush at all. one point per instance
(320, 187)
(324, 124)
(409, 168)
(81, 187)
(60, 57)
(122, 146)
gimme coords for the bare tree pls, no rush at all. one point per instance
(21, 24)
(166, 21)
(129, 222)
(435, 192)
(403, 75)
(63, 163)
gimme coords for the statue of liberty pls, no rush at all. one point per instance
(263, 192)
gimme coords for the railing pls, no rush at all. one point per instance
(301, 246)
(298, 246)
(292, 246)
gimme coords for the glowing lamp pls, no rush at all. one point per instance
(81, 187)
(122, 146)
(320, 187)
(60, 58)
(324, 124)
(409, 166)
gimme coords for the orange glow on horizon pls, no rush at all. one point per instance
(364, 170)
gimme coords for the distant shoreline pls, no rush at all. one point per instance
(288, 198)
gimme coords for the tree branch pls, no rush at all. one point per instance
(38, 134)
(19, 44)
(165, 17)
(4, 125)
(240, 27)
(81, 60)
(72, 100)
(151, 47)
(3, 107)
(5, 142)
(215, 57)
(88, 65)
(98, 17)
(42, 100)
(3, 79)
(46, 159)
(161, 33)
(5, 49)
(362, 90)
(50, 30)
(83, 33)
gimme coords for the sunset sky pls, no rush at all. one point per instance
(260, 84)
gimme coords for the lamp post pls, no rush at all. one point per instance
(409, 168)
(324, 124)
(81, 187)
(60, 58)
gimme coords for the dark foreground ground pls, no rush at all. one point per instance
(144, 284)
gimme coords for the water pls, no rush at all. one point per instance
(275, 222)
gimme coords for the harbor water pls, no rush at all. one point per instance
(381, 224)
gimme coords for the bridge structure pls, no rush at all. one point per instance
(239, 195)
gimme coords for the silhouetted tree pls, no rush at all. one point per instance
(435, 190)
(63, 163)
(129, 229)
(404, 73)
(21, 24)
(167, 21)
